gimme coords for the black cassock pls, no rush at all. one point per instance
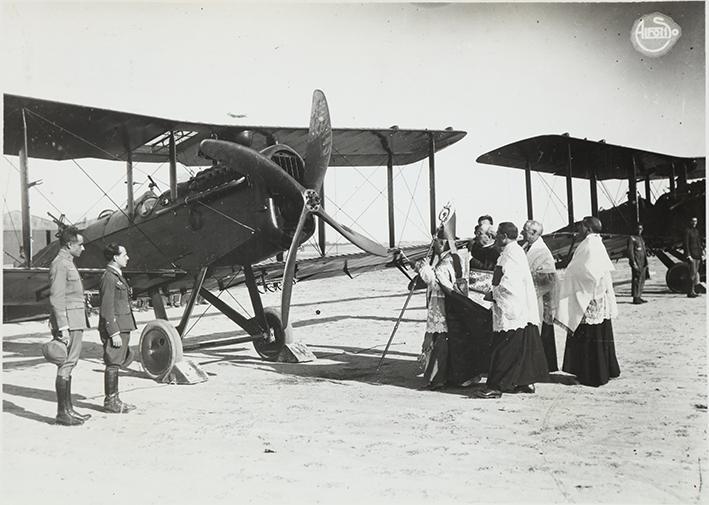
(469, 337)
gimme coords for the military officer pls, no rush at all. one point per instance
(638, 264)
(67, 319)
(115, 324)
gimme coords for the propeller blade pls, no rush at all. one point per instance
(289, 271)
(254, 164)
(357, 239)
(319, 148)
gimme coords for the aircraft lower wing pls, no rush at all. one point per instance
(563, 244)
(26, 290)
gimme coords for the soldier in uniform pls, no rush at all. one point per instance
(694, 251)
(67, 319)
(638, 264)
(115, 324)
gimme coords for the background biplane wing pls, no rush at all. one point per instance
(550, 154)
(63, 131)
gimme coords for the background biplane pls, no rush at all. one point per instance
(664, 220)
(257, 199)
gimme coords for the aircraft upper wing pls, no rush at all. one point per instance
(74, 131)
(550, 154)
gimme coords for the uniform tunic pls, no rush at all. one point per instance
(637, 255)
(66, 296)
(115, 316)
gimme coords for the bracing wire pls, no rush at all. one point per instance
(136, 226)
(14, 226)
(411, 203)
(38, 191)
(221, 291)
(229, 218)
(551, 190)
(379, 191)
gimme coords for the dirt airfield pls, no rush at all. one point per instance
(337, 431)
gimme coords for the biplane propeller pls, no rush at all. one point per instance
(257, 166)
(215, 230)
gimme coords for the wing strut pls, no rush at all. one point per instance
(633, 192)
(390, 199)
(432, 182)
(25, 196)
(569, 188)
(593, 185)
(528, 187)
(129, 183)
(173, 167)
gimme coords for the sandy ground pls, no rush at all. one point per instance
(336, 431)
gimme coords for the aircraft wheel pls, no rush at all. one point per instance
(160, 348)
(270, 349)
(677, 277)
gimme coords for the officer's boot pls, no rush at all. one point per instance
(112, 403)
(63, 415)
(74, 413)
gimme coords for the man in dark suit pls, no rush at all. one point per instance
(67, 319)
(637, 253)
(115, 324)
(693, 250)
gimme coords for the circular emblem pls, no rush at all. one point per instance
(655, 34)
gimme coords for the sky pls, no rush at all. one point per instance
(500, 71)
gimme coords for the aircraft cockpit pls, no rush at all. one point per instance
(145, 204)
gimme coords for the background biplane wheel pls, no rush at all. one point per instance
(270, 350)
(160, 348)
(677, 277)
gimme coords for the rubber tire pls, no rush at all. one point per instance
(677, 277)
(271, 351)
(160, 348)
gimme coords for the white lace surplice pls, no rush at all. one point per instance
(442, 272)
(586, 291)
(600, 308)
(543, 268)
(515, 298)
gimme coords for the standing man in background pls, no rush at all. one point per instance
(693, 250)
(68, 319)
(543, 270)
(115, 324)
(638, 264)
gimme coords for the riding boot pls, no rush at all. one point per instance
(83, 417)
(64, 417)
(112, 403)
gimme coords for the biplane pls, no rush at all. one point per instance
(257, 197)
(663, 220)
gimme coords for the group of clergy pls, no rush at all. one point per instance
(527, 300)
